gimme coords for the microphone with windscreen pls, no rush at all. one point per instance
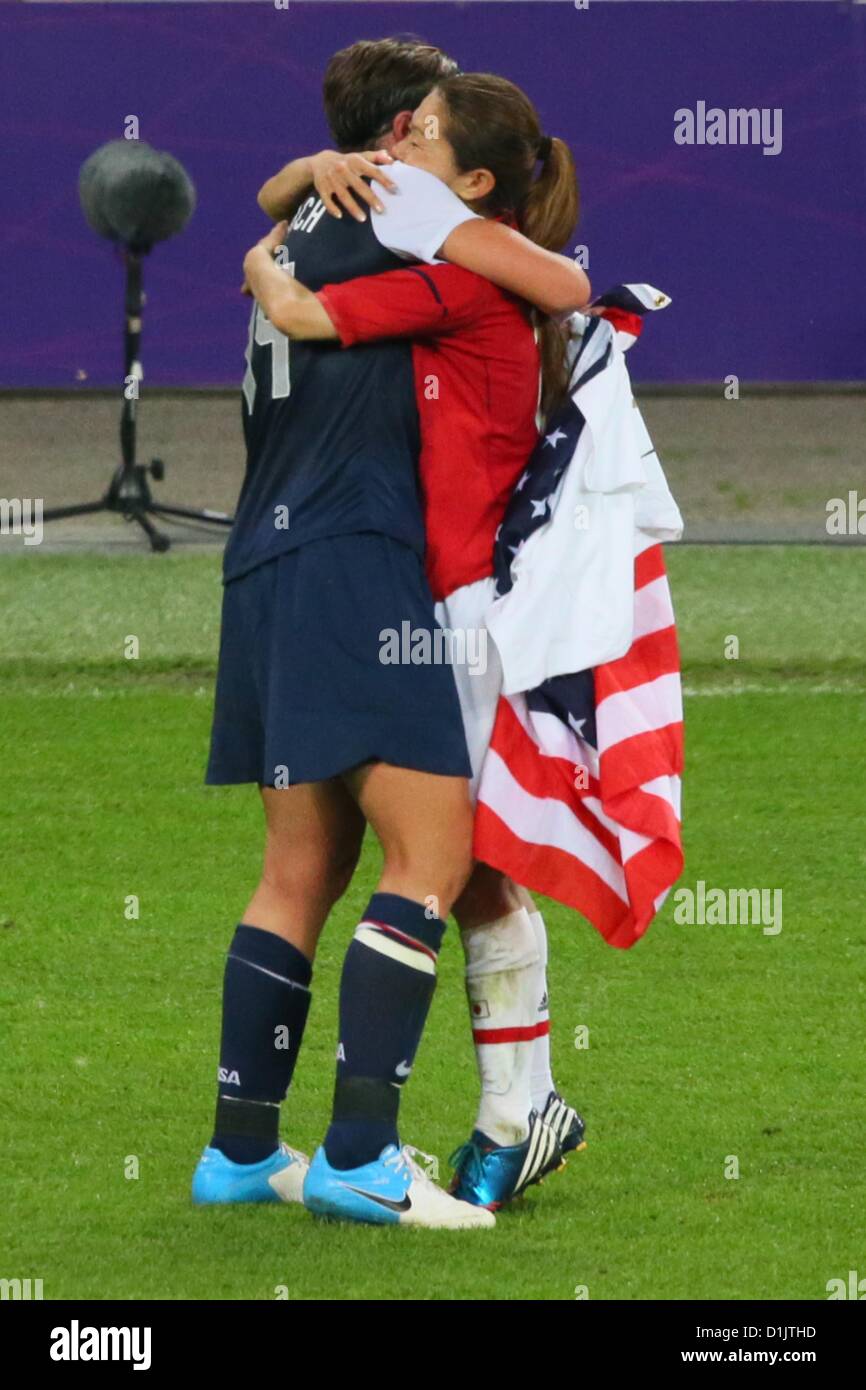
(135, 194)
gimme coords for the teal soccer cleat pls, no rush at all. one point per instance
(489, 1175)
(280, 1178)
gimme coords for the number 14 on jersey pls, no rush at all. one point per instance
(263, 332)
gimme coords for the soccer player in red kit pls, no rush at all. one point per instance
(477, 352)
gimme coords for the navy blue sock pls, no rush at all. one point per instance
(389, 975)
(266, 999)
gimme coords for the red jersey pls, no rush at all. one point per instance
(476, 367)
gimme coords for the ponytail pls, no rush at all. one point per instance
(549, 212)
(548, 216)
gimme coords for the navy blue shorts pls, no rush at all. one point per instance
(302, 692)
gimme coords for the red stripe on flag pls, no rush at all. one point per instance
(649, 873)
(623, 320)
(656, 654)
(641, 758)
(546, 776)
(649, 565)
(529, 763)
(552, 871)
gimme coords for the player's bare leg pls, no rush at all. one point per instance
(313, 840)
(424, 825)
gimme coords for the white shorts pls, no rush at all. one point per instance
(476, 664)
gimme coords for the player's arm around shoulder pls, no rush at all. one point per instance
(290, 306)
(340, 180)
(550, 282)
(423, 218)
(280, 195)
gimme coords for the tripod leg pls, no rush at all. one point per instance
(157, 540)
(214, 518)
(79, 509)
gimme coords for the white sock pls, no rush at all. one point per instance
(542, 1078)
(501, 982)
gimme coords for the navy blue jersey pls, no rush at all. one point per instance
(332, 434)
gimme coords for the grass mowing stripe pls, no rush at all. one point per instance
(795, 608)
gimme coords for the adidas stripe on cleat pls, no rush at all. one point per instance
(566, 1123)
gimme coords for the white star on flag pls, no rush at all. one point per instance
(523, 480)
(539, 508)
(553, 439)
(576, 725)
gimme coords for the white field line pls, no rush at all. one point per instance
(799, 686)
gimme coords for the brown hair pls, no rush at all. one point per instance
(493, 125)
(369, 83)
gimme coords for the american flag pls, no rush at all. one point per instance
(579, 795)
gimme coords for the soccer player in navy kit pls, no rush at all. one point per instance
(324, 555)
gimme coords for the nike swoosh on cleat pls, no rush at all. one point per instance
(403, 1205)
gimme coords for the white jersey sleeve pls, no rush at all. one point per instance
(420, 216)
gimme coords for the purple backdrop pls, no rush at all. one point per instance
(763, 255)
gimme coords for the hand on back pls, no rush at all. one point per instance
(341, 179)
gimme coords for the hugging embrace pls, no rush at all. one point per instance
(416, 364)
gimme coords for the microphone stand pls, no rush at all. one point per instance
(129, 491)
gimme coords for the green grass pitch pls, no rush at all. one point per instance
(705, 1042)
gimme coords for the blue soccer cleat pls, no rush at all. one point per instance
(280, 1178)
(393, 1190)
(489, 1175)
